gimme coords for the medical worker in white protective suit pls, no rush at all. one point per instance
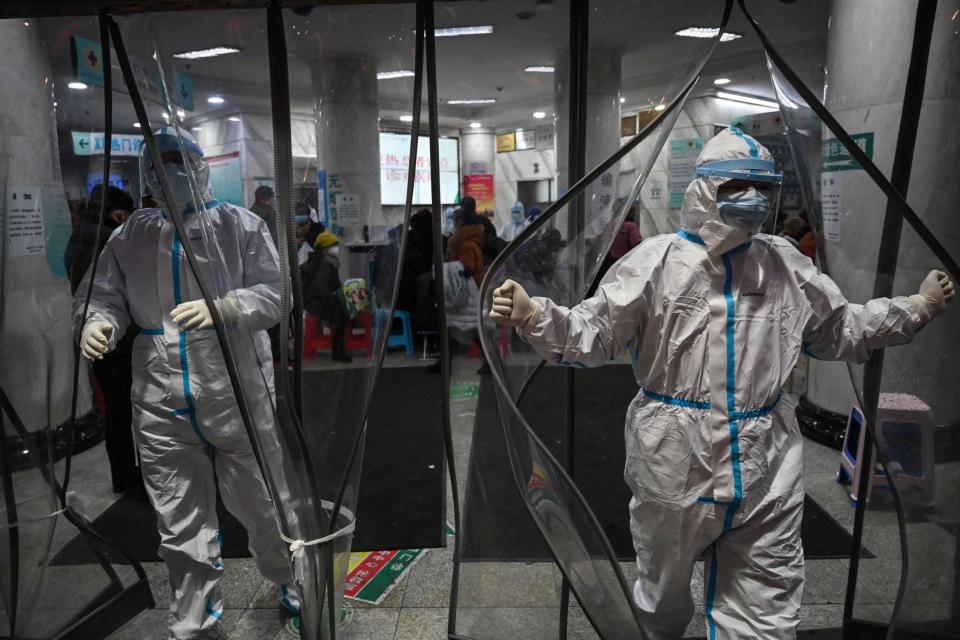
(713, 318)
(518, 222)
(185, 417)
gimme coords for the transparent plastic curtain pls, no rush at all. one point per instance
(912, 496)
(341, 140)
(559, 256)
(312, 461)
(48, 169)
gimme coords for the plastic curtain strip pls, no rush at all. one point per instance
(802, 113)
(561, 513)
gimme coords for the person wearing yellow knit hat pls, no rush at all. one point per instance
(321, 282)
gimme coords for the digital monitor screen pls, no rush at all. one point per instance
(395, 159)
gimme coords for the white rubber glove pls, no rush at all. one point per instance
(95, 339)
(936, 291)
(512, 306)
(191, 315)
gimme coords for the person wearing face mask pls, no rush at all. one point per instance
(185, 416)
(320, 277)
(518, 222)
(714, 318)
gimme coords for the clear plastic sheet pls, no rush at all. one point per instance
(312, 461)
(559, 256)
(50, 212)
(917, 415)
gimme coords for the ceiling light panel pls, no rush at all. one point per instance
(477, 30)
(206, 53)
(476, 101)
(389, 75)
(707, 32)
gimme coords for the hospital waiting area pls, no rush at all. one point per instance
(479, 320)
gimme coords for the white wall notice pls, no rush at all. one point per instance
(24, 222)
(830, 205)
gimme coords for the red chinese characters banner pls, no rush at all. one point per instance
(480, 188)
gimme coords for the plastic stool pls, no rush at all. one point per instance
(405, 337)
(906, 432)
(364, 341)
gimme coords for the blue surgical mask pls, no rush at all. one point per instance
(745, 210)
(517, 216)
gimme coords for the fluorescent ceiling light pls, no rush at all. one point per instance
(660, 107)
(234, 119)
(196, 128)
(136, 124)
(622, 99)
(406, 118)
(388, 75)
(215, 99)
(475, 125)
(539, 115)
(478, 30)
(477, 101)
(77, 85)
(206, 53)
(707, 32)
(754, 100)
(722, 81)
(539, 69)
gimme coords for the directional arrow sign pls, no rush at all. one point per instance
(837, 158)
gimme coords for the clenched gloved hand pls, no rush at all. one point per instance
(936, 291)
(95, 339)
(512, 306)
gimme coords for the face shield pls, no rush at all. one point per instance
(178, 169)
(517, 213)
(750, 192)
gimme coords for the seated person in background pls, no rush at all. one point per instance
(320, 276)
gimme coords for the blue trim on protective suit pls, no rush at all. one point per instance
(213, 613)
(732, 392)
(742, 169)
(206, 205)
(152, 332)
(285, 601)
(679, 402)
(182, 339)
(754, 152)
(568, 363)
(805, 347)
(686, 235)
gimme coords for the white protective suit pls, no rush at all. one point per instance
(185, 418)
(714, 320)
(518, 222)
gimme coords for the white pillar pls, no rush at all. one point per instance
(348, 142)
(603, 127)
(865, 88)
(36, 344)
(478, 157)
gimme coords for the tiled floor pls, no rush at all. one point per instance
(519, 600)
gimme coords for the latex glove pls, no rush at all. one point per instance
(512, 306)
(936, 291)
(191, 315)
(95, 339)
